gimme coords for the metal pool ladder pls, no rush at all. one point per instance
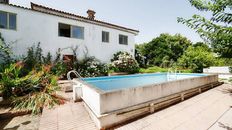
(170, 73)
(75, 72)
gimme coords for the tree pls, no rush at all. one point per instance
(140, 58)
(216, 30)
(204, 45)
(169, 46)
(196, 58)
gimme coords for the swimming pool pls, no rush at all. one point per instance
(130, 81)
(116, 99)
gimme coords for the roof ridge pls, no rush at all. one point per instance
(79, 16)
(42, 6)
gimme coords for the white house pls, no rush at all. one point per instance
(56, 29)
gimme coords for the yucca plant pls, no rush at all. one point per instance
(43, 93)
(31, 92)
(11, 82)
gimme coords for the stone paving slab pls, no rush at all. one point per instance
(70, 116)
(224, 123)
(202, 112)
(26, 122)
(208, 111)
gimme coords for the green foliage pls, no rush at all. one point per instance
(5, 51)
(230, 69)
(48, 59)
(124, 62)
(43, 92)
(10, 80)
(59, 68)
(203, 45)
(165, 49)
(35, 60)
(34, 57)
(196, 58)
(30, 92)
(217, 30)
(90, 67)
(140, 59)
(156, 69)
(153, 69)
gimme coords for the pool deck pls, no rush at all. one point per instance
(210, 110)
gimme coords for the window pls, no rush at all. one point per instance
(66, 30)
(78, 32)
(4, 1)
(3, 20)
(7, 20)
(12, 21)
(123, 39)
(105, 36)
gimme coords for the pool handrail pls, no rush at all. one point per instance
(75, 72)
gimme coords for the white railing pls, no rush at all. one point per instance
(172, 75)
(74, 72)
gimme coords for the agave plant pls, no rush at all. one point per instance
(43, 93)
(10, 81)
(31, 92)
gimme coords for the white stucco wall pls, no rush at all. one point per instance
(34, 27)
(219, 70)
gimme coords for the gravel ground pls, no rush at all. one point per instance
(26, 122)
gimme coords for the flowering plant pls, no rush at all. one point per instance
(91, 67)
(124, 62)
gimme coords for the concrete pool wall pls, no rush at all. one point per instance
(106, 107)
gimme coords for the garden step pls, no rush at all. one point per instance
(66, 95)
(66, 85)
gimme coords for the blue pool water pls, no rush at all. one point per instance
(130, 81)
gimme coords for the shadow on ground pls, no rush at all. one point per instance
(5, 122)
(224, 126)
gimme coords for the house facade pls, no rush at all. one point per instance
(57, 30)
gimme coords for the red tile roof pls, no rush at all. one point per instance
(51, 11)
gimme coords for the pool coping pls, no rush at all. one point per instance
(107, 109)
(100, 91)
(146, 108)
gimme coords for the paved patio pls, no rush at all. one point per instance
(71, 116)
(210, 110)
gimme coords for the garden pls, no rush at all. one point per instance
(30, 82)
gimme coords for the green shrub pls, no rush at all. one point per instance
(124, 62)
(185, 70)
(90, 67)
(230, 69)
(140, 59)
(30, 92)
(42, 92)
(59, 68)
(196, 58)
(10, 81)
(47, 59)
(153, 69)
(33, 58)
(156, 69)
(5, 51)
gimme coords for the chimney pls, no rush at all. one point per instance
(4, 1)
(91, 14)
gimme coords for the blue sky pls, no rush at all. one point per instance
(150, 17)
